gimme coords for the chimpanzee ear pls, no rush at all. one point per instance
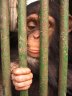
(70, 23)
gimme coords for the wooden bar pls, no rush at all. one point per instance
(22, 37)
(44, 48)
(64, 7)
(5, 48)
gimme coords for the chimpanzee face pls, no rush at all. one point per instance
(33, 30)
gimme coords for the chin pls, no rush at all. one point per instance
(33, 54)
(33, 64)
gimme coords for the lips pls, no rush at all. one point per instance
(34, 51)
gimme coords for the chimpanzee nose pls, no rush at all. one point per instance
(36, 35)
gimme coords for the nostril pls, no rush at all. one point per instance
(36, 36)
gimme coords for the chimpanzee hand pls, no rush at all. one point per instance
(21, 77)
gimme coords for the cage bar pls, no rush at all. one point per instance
(64, 6)
(44, 48)
(22, 37)
(5, 49)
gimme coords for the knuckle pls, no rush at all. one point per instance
(13, 67)
(31, 75)
(28, 70)
(30, 82)
(20, 78)
(17, 84)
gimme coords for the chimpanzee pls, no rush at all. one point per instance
(28, 78)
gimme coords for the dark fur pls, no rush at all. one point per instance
(33, 63)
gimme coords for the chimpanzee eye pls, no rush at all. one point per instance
(31, 25)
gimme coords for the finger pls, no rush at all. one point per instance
(22, 84)
(22, 78)
(20, 71)
(22, 88)
(13, 66)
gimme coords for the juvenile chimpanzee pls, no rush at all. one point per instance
(28, 78)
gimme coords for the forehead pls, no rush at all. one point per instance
(33, 16)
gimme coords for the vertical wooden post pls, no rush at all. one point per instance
(64, 7)
(44, 48)
(22, 37)
(5, 49)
